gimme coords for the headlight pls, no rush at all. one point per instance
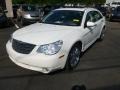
(50, 49)
(27, 16)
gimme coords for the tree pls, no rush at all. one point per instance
(58, 1)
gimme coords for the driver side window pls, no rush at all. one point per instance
(88, 18)
(96, 16)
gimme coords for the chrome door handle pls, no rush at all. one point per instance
(96, 25)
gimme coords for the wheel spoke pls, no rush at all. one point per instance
(75, 56)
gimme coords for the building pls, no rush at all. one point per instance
(7, 5)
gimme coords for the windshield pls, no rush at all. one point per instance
(64, 17)
(29, 8)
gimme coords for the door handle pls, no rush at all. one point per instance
(101, 20)
(96, 25)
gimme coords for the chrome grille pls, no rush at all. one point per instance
(22, 47)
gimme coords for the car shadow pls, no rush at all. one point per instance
(83, 87)
(20, 76)
(37, 74)
(95, 69)
(113, 87)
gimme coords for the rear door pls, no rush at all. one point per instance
(98, 20)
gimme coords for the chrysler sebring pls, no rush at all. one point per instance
(57, 41)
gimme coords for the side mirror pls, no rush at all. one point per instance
(5, 11)
(90, 24)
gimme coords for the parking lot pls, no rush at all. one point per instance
(99, 68)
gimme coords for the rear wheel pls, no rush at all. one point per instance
(102, 34)
(73, 57)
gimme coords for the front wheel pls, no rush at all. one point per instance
(73, 57)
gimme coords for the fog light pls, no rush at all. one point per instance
(45, 69)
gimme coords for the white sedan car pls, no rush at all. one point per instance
(57, 41)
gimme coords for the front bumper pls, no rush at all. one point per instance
(31, 19)
(34, 61)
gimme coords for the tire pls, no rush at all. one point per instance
(102, 35)
(73, 57)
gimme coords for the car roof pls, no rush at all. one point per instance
(76, 9)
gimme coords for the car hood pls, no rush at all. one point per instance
(39, 33)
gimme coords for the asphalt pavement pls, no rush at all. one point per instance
(99, 68)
